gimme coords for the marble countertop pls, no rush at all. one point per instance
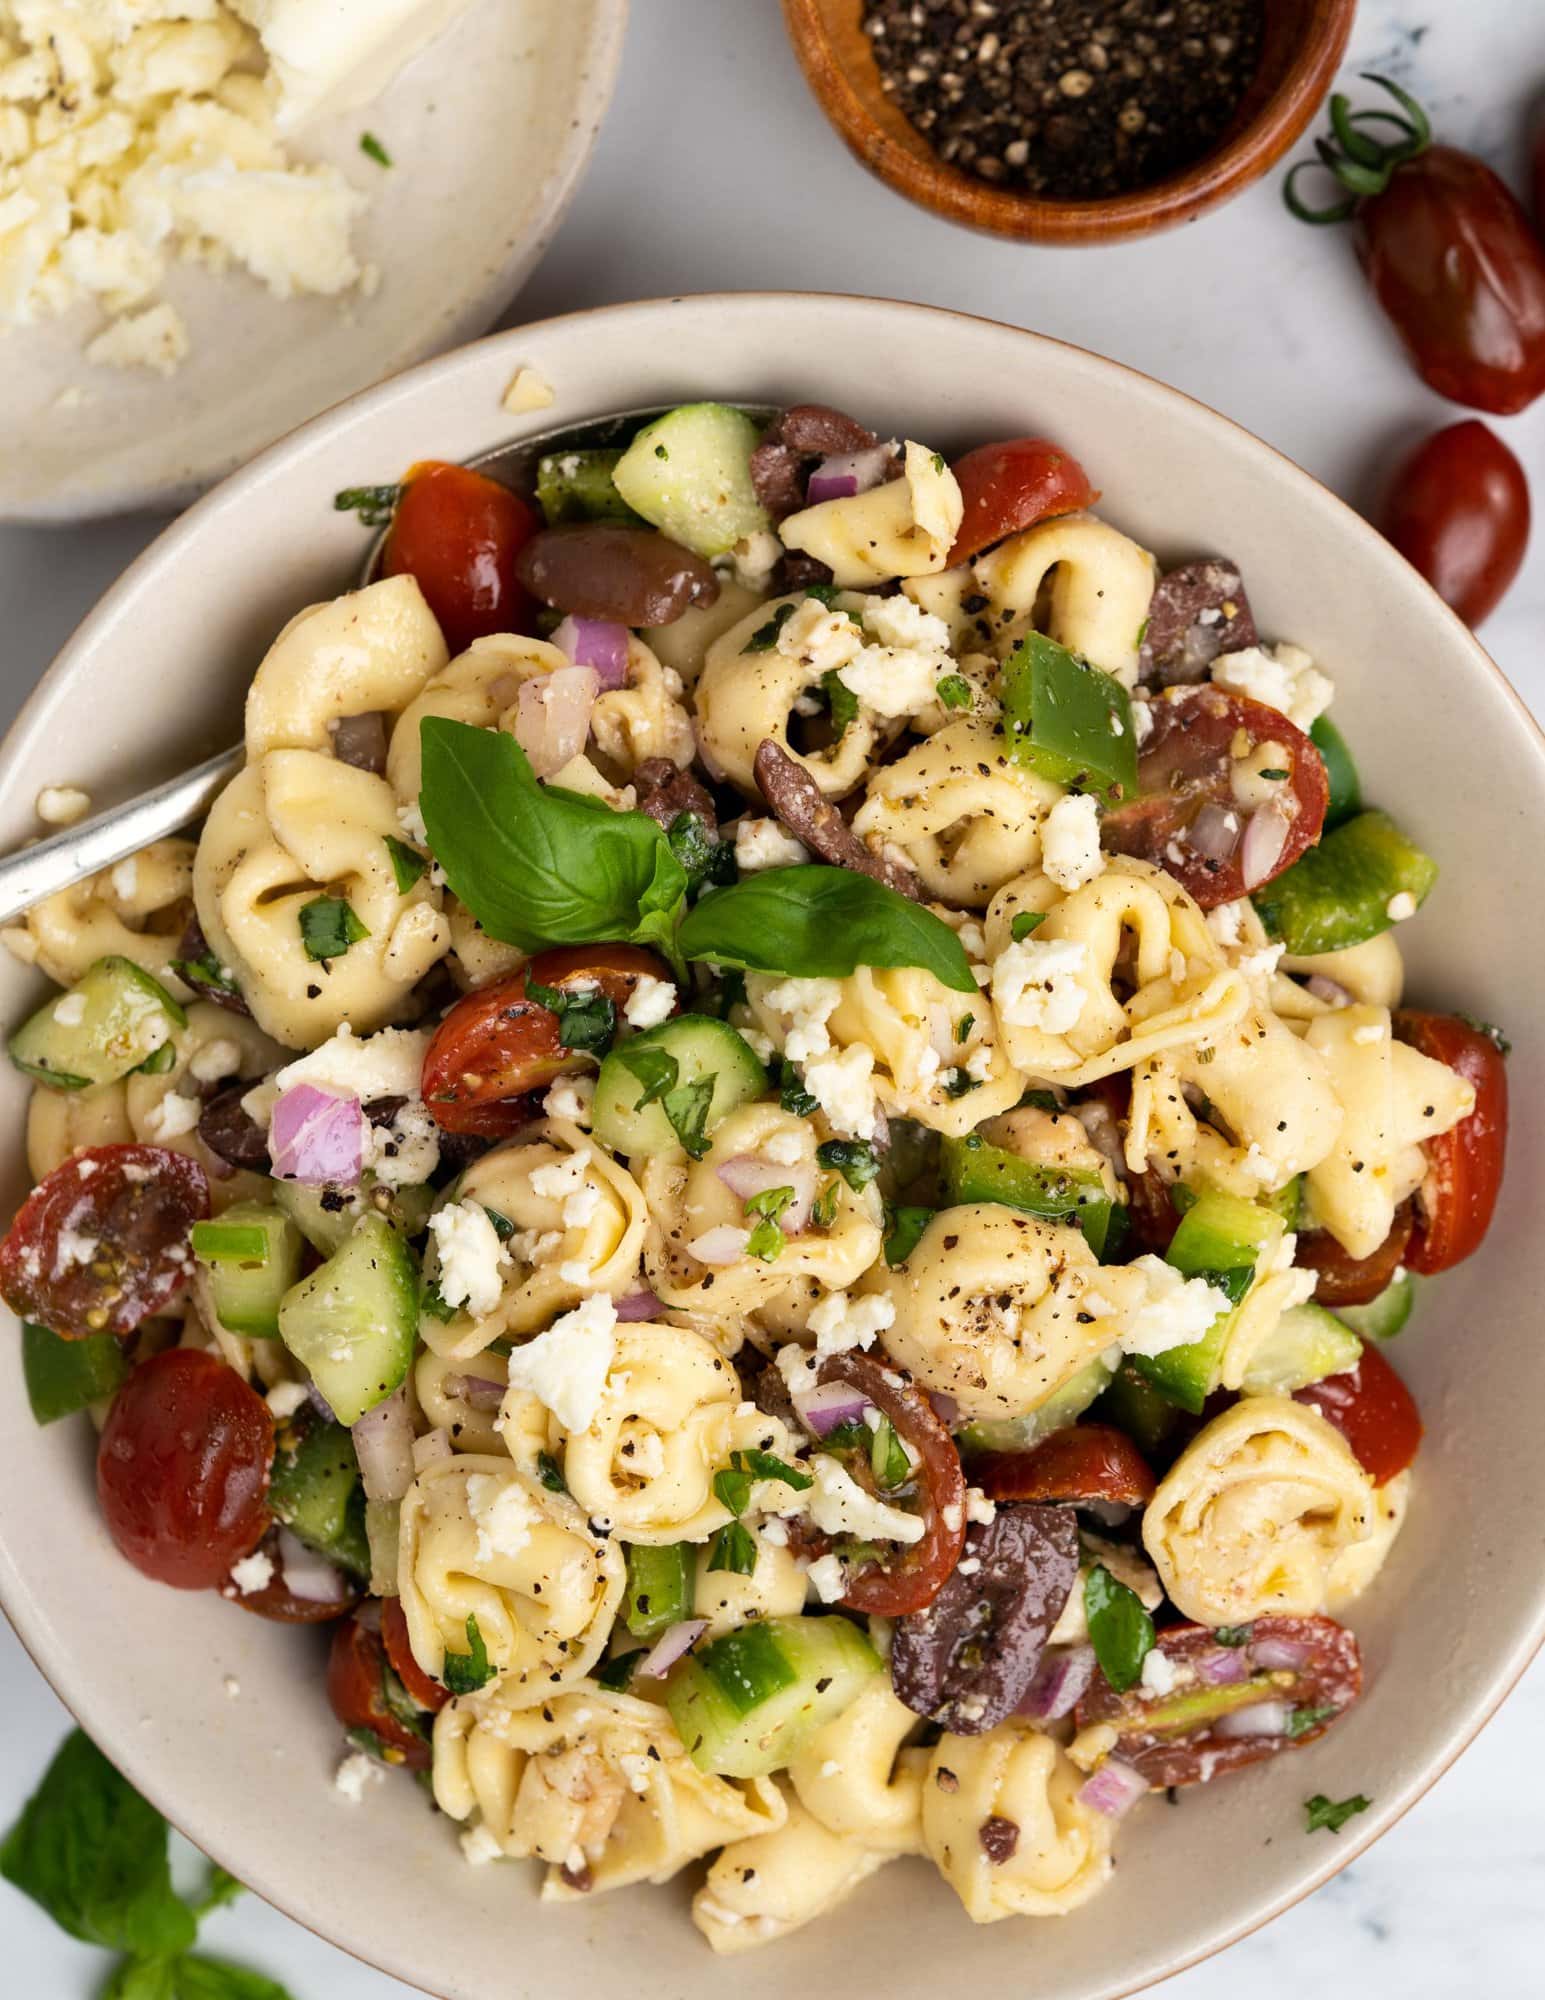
(717, 171)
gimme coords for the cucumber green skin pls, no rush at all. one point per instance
(1383, 1317)
(354, 1321)
(247, 1296)
(746, 1704)
(973, 1170)
(1309, 1343)
(64, 1376)
(1287, 1201)
(1338, 894)
(1346, 789)
(701, 1046)
(128, 1016)
(578, 486)
(327, 1229)
(1055, 1414)
(1219, 1235)
(1135, 1406)
(660, 1587)
(700, 492)
(317, 1493)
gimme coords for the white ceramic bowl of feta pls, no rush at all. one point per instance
(1444, 744)
(377, 177)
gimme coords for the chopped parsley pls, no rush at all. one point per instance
(765, 637)
(1332, 1814)
(767, 1239)
(841, 700)
(586, 1021)
(854, 1159)
(1026, 922)
(792, 1094)
(372, 148)
(375, 505)
(465, 1673)
(407, 863)
(954, 691)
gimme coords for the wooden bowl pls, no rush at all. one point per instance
(1304, 43)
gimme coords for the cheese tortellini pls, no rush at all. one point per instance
(905, 527)
(138, 909)
(1101, 585)
(767, 1887)
(858, 1778)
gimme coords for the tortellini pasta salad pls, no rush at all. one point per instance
(771, 1158)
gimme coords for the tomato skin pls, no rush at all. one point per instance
(1373, 1410)
(1185, 766)
(1458, 511)
(1464, 1167)
(1010, 486)
(277, 1602)
(137, 1205)
(1084, 1462)
(1454, 263)
(1341, 1280)
(356, 1689)
(459, 534)
(497, 1045)
(183, 1467)
(428, 1693)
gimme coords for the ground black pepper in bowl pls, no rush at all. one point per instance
(1071, 99)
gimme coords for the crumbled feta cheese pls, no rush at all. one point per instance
(232, 1686)
(566, 1367)
(216, 1059)
(156, 339)
(406, 1151)
(528, 391)
(571, 1098)
(1285, 679)
(978, 1065)
(1159, 1676)
(503, 1513)
(827, 1576)
(61, 805)
(892, 681)
(900, 623)
(783, 1149)
(411, 819)
(774, 1532)
(174, 1117)
(479, 1846)
(72, 1247)
(797, 1367)
(560, 1178)
(1368, 1033)
(762, 843)
(386, 1064)
(1401, 906)
(1263, 963)
(651, 1002)
(809, 1004)
(841, 1083)
(285, 1398)
(252, 1573)
(979, 1508)
(840, 1506)
(1142, 720)
(824, 640)
(471, 1257)
(754, 558)
(1173, 1310)
(125, 879)
(71, 1010)
(1070, 842)
(1039, 984)
(841, 1323)
(354, 1774)
(1226, 922)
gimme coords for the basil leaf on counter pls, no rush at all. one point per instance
(537, 865)
(1120, 1630)
(813, 922)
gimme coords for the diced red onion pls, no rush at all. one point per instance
(831, 486)
(1214, 833)
(1265, 837)
(1114, 1789)
(639, 1305)
(829, 1404)
(552, 716)
(478, 1392)
(598, 643)
(1222, 1668)
(383, 1444)
(748, 1175)
(831, 478)
(1331, 991)
(1061, 1681)
(1278, 1655)
(317, 1138)
(308, 1576)
(723, 1244)
(1262, 1718)
(676, 1640)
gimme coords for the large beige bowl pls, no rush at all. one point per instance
(155, 678)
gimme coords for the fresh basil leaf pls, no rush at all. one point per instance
(206, 972)
(854, 1435)
(954, 691)
(550, 1473)
(537, 865)
(765, 637)
(1040, 1100)
(586, 1021)
(1491, 1031)
(1234, 1635)
(841, 700)
(733, 1549)
(465, 1673)
(702, 856)
(906, 1226)
(1026, 921)
(221, 1888)
(1120, 1630)
(767, 1466)
(656, 1069)
(373, 149)
(964, 1026)
(504, 1229)
(732, 1488)
(1302, 1720)
(1332, 1814)
(792, 1094)
(823, 1210)
(888, 1459)
(407, 863)
(158, 1062)
(200, 1978)
(141, 1979)
(771, 1202)
(92, 1852)
(960, 1082)
(815, 922)
(328, 926)
(767, 1241)
(374, 505)
(618, 1671)
(432, 1300)
(687, 1110)
(855, 1159)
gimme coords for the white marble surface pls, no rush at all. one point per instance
(717, 172)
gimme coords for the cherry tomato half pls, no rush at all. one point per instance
(458, 533)
(1343, 1280)
(497, 1045)
(914, 1580)
(1373, 1410)
(1464, 1167)
(1010, 486)
(1084, 1462)
(102, 1242)
(1458, 511)
(427, 1692)
(183, 1467)
(1174, 1739)
(1186, 816)
(357, 1689)
(276, 1600)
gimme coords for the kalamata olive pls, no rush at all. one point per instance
(796, 435)
(360, 740)
(1197, 612)
(231, 1132)
(612, 570)
(811, 817)
(665, 791)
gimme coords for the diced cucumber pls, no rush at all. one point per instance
(1055, 1414)
(353, 1322)
(578, 486)
(1346, 791)
(1135, 1406)
(115, 1017)
(1308, 1344)
(326, 1216)
(383, 1531)
(252, 1254)
(689, 473)
(64, 1376)
(317, 1493)
(700, 1047)
(1383, 1317)
(1339, 893)
(744, 1705)
(1221, 1238)
(1287, 1201)
(659, 1590)
(973, 1170)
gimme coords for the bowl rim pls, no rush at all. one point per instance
(1361, 533)
(959, 197)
